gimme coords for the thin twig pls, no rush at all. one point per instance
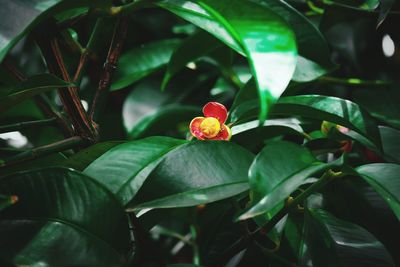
(41, 101)
(120, 31)
(71, 102)
(27, 124)
(37, 152)
(87, 51)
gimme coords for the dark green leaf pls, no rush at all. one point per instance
(270, 48)
(384, 178)
(19, 17)
(196, 173)
(203, 43)
(32, 86)
(276, 172)
(79, 161)
(390, 143)
(251, 136)
(125, 167)
(139, 62)
(311, 43)
(334, 242)
(333, 109)
(148, 110)
(60, 213)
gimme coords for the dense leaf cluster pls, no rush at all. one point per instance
(98, 168)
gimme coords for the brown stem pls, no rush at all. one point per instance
(45, 150)
(69, 97)
(40, 100)
(120, 31)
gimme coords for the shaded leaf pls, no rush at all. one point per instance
(384, 178)
(196, 173)
(19, 17)
(270, 48)
(55, 218)
(34, 85)
(334, 242)
(272, 179)
(185, 53)
(142, 61)
(333, 109)
(124, 168)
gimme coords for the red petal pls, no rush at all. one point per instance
(215, 110)
(195, 127)
(225, 134)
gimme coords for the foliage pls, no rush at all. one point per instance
(98, 166)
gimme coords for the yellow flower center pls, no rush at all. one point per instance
(210, 127)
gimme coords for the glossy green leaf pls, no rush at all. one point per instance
(252, 136)
(272, 179)
(307, 70)
(311, 43)
(34, 85)
(384, 178)
(333, 109)
(19, 17)
(196, 173)
(63, 209)
(80, 160)
(252, 30)
(148, 110)
(168, 118)
(334, 242)
(185, 53)
(124, 168)
(142, 61)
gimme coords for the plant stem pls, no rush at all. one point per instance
(87, 51)
(27, 124)
(42, 102)
(70, 99)
(145, 247)
(45, 150)
(131, 7)
(120, 32)
(245, 241)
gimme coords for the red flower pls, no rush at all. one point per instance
(211, 126)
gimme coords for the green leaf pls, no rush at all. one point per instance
(252, 30)
(333, 109)
(252, 136)
(79, 161)
(6, 201)
(384, 178)
(124, 168)
(142, 61)
(19, 17)
(185, 53)
(390, 143)
(148, 110)
(196, 173)
(34, 85)
(385, 107)
(60, 213)
(334, 242)
(272, 179)
(307, 70)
